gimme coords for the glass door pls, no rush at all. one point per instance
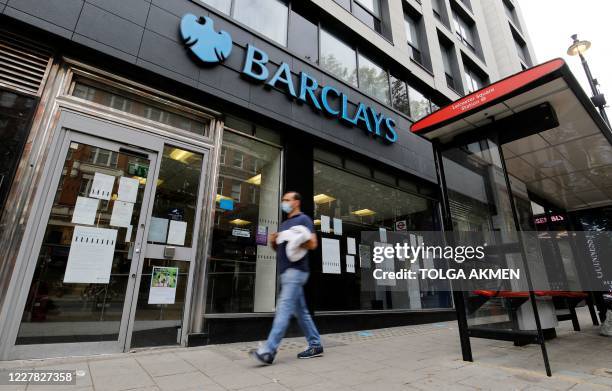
(86, 249)
(162, 299)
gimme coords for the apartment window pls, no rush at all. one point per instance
(412, 33)
(338, 58)
(467, 4)
(237, 159)
(511, 13)
(437, 9)
(464, 31)
(222, 155)
(473, 80)
(373, 79)
(269, 17)
(409, 100)
(368, 11)
(236, 190)
(521, 48)
(447, 60)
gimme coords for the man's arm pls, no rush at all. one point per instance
(312, 243)
(273, 240)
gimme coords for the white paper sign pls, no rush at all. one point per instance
(102, 186)
(350, 246)
(176, 233)
(330, 249)
(91, 255)
(128, 189)
(163, 285)
(383, 234)
(85, 210)
(365, 256)
(337, 226)
(122, 214)
(350, 264)
(325, 227)
(387, 265)
(158, 230)
(128, 234)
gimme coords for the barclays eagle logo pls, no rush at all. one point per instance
(199, 35)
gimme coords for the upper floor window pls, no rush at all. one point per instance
(448, 62)
(368, 11)
(338, 58)
(414, 42)
(473, 80)
(465, 31)
(511, 13)
(373, 79)
(269, 17)
(409, 100)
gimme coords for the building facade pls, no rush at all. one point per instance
(142, 170)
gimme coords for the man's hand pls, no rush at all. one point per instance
(272, 238)
(311, 244)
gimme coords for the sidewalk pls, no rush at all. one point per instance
(423, 357)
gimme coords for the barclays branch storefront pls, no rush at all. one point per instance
(143, 187)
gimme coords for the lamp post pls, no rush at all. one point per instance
(598, 99)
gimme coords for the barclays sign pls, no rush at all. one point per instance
(211, 47)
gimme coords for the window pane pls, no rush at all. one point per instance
(419, 104)
(411, 31)
(241, 277)
(372, 5)
(373, 80)
(269, 17)
(222, 5)
(303, 37)
(366, 17)
(365, 205)
(338, 58)
(399, 95)
(120, 100)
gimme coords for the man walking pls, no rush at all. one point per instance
(293, 276)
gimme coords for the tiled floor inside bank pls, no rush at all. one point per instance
(422, 357)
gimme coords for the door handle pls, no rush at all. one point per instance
(137, 250)
(133, 275)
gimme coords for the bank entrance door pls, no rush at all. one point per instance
(110, 262)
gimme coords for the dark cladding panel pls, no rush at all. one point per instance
(109, 29)
(62, 13)
(164, 23)
(132, 10)
(303, 37)
(104, 48)
(167, 54)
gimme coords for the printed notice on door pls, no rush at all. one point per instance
(330, 249)
(163, 285)
(102, 186)
(91, 255)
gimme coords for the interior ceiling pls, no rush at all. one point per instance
(570, 165)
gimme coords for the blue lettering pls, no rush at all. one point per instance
(283, 74)
(257, 58)
(345, 115)
(309, 85)
(377, 120)
(362, 115)
(324, 92)
(390, 130)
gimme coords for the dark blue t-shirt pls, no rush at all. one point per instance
(283, 262)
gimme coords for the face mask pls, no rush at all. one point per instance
(286, 207)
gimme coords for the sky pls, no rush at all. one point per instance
(550, 23)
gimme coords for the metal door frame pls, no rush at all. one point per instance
(190, 255)
(80, 128)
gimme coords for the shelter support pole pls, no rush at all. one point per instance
(447, 226)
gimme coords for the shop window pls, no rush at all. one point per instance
(365, 205)
(268, 17)
(373, 79)
(242, 268)
(338, 58)
(136, 105)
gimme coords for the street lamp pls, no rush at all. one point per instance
(598, 99)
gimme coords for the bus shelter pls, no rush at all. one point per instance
(513, 160)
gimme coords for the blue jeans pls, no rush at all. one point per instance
(291, 301)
